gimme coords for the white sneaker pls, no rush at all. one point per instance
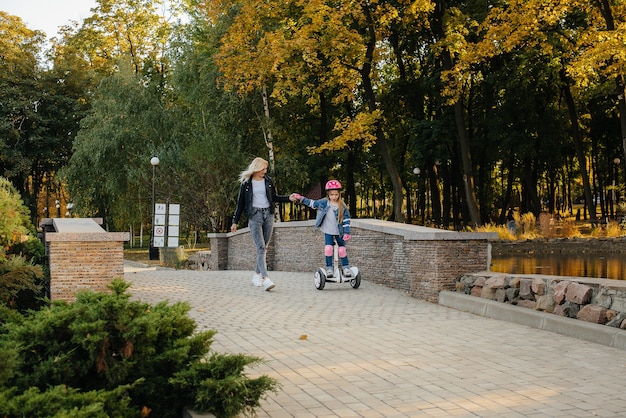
(268, 284)
(346, 271)
(257, 280)
(329, 272)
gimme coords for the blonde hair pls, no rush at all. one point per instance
(257, 164)
(341, 205)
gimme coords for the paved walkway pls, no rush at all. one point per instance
(375, 352)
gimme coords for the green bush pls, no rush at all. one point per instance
(32, 250)
(105, 350)
(22, 283)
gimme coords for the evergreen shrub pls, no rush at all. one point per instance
(105, 355)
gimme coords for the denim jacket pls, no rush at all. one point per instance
(322, 206)
(244, 200)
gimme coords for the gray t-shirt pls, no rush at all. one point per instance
(259, 197)
(329, 224)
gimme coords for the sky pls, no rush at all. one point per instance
(48, 15)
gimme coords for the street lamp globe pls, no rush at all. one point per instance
(154, 161)
(417, 171)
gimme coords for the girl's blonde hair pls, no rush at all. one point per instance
(257, 164)
(342, 205)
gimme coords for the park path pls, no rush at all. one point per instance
(376, 352)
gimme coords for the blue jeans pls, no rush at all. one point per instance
(261, 224)
(330, 240)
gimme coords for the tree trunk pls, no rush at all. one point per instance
(459, 118)
(578, 144)
(269, 142)
(381, 139)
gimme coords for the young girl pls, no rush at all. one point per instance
(333, 218)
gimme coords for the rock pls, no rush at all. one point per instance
(592, 313)
(527, 304)
(468, 280)
(545, 303)
(501, 295)
(480, 281)
(496, 282)
(512, 282)
(525, 291)
(610, 314)
(476, 290)
(618, 302)
(538, 286)
(512, 294)
(462, 288)
(603, 298)
(578, 293)
(559, 291)
(568, 309)
(617, 320)
(488, 293)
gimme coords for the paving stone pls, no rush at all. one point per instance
(377, 352)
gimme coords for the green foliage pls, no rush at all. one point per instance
(14, 222)
(63, 402)
(110, 355)
(21, 283)
(221, 387)
(32, 250)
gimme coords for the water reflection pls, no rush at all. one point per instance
(609, 267)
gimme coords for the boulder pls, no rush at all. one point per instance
(592, 313)
(559, 291)
(578, 293)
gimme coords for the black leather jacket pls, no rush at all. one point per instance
(244, 200)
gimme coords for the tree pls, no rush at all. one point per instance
(317, 49)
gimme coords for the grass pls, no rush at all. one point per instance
(548, 226)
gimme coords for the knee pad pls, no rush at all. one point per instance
(328, 250)
(342, 252)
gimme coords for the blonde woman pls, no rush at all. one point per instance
(257, 195)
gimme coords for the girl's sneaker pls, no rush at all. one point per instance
(257, 280)
(268, 284)
(346, 271)
(329, 271)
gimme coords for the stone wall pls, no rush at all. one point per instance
(421, 261)
(599, 301)
(81, 255)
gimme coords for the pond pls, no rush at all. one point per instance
(612, 266)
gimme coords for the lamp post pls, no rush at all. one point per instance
(616, 161)
(153, 251)
(417, 173)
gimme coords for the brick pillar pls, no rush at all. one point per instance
(82, 255)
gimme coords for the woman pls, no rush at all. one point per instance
(257, 195)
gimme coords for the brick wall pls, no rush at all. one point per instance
(421, 261)
(80, 261)
(83, 265)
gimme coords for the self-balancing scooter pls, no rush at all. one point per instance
(354, 278)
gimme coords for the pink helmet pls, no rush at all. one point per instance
(333, 185)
